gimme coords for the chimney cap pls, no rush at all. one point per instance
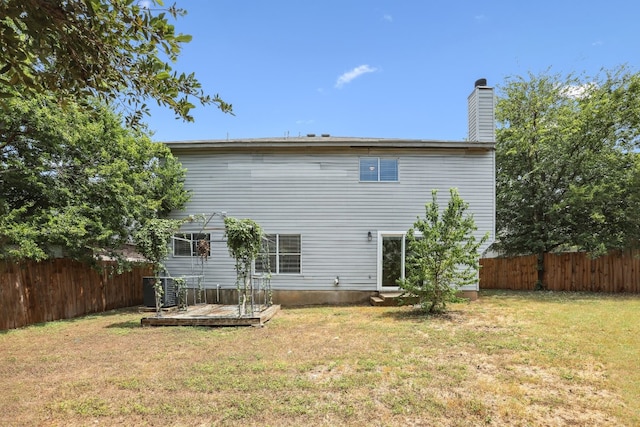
(480, 82)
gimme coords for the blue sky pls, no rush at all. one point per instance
(387, 69)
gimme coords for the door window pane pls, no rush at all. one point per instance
(391, 260)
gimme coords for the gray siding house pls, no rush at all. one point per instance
(335, 209)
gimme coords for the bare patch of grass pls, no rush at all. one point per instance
(507, 359)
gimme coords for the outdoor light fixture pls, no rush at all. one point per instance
(369, 236)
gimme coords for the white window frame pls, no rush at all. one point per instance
(379, 161)
(190, 238)
(403, 267)
(275, 269)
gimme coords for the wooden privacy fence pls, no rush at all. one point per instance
(33, 292)
(574, 271)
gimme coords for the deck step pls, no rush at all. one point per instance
(389, 295)
(385, 300)
(376, 301)
(390, 299)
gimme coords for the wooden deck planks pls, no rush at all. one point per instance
(211, 315)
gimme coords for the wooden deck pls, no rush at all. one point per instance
(210, 315)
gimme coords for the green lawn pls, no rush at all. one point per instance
(509, 358)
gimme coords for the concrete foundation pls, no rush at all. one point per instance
(470, 295)
(290, 298)
(298, 298)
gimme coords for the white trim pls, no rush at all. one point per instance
(191, 241)
(276, 269)
(382, 234)
(378, 169)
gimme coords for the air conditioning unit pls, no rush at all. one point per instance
(169, 298)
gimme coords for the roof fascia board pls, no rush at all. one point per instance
(348, 143)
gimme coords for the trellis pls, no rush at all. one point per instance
(195, 282)
(258, 292)
(254, 290)
(245, 242)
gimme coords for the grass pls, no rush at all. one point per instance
(520, 359)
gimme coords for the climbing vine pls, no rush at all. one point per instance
(152, 241)
(180, 284)
(244, 240)
(203, 248)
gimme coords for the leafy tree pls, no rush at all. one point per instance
(77, 179)
(115, 50)
(568, 173)
(442, 254)
(153, 240)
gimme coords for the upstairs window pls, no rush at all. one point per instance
(281, 252)
(376, 169)
(192, 244)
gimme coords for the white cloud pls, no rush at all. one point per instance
(144, 4)
(597, 43)
(356, 72)
(480, 18)
(387, 17)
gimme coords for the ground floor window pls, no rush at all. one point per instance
(280, 254)
(192, 244)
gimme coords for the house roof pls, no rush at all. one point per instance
(325, 141)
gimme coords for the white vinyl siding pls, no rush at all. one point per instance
(319, 196)
(482, 115)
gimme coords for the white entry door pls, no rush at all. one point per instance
(391, 254)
